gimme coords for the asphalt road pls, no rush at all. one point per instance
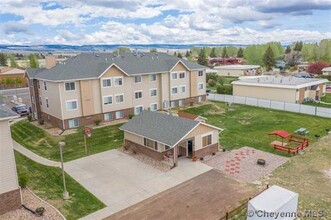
(6, 96)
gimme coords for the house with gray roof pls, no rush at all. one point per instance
(107, 86)
(162, 136)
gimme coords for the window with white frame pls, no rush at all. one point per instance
(200, 73)
(174, 90)
(182, 89)
(45, 85)
(174, 76)
(182, 75)
(173, 103)
(106, 82)
(70, 86)
(119, 98)
(206, 140)
(118, 81)
(200, 99)
(153, 92)
(138, 109)
(200, 86)
(153, 107)
(181, 102)
(108, 116)
(150, 143)
(152, 77)
(119, 114)
(107, 100)
(137, 79)
(73, 123)
(46, 101)
(138, 94)
(71, 105)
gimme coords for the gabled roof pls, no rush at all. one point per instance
(281, 133)
(33, 72)
(91, 65)
(163, 128)
(6, 113)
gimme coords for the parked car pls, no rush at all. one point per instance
(21, 109)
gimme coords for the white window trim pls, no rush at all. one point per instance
(205, 135)
(46, 102)
(155, 103)
(108, 113)
(180, 73)
(141, 79)
(202, 73)
(150, 91)
(174, 87)
(176, 75)
(69, 90)
(180, 87)
(138, 106)
(106, 78)
(116, 99)
(152, 75)
(116, 114)
(118, 77)
(73, 119)
(200, 84)
(138, 91)
(181, 100)
(72, 100)
(103, 99)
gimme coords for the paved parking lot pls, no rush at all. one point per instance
(7, 96)
(120, 181)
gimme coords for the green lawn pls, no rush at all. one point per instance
(249, 126)
(46, 182)
(326, 98)
(45, 145)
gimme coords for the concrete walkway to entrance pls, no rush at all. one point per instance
(120, 180)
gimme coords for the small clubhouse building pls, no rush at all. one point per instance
(237, 70)
(160, 136)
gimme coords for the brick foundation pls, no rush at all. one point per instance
(144, 150)
(206, 150)
(10, 201)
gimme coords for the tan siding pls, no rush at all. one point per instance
(179, 67)
(134, 138)
(165, 88)
(70, 95)
(200, 131)
(302, 94)
(52, 93)
(87, 97)
(194, 84)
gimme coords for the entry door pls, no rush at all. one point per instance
(189, 148)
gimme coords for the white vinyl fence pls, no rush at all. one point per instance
(283, 106)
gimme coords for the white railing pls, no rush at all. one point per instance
(283, 106)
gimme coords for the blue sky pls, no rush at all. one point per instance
(81, 22)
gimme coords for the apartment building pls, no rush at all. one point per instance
(108, 87)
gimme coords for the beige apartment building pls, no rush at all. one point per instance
(108, 87)
(283, 89)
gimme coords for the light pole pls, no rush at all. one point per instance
(65, 192)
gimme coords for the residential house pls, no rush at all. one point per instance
(108, 87)
(10, 193)
(13, 74)
(160, 135)
(283, 89)
(237, 70)
(326, 71)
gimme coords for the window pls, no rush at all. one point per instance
(73, 123)
(173, 103)
(200, 99)
(106, 82)
(118, 81)
(45, 85)
(182, 89)
(181, 102)
(149, 143)
(153, 92)
(70, 86)
(138, 110)
(200, 73)
(138, 94)
(46, 101)
(71, 105)
(119, 98)
(200, 86)
(107, 100)
(119, 114)
(152, 77)
(137, 79)
(206, 140)
(174, 90)
(174, 76)
(182, 75)
(40, 101)
(108, 116)
(153, 107)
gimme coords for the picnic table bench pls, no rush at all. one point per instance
(302, 131)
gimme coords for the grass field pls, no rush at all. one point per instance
(249, 126)
(326, 98)
(47, 183)
(45, 145)
(226, 80)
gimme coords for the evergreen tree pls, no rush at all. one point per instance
(202, 58)
(269, 60)
(288, 50)
(3, 59)
(179, 55)
(224, 53)
(153, 50)
(213, 52)
(240, 53)
(33, 61)
(13, 62)
(175, 54)
(187, 54)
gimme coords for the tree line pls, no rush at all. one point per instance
(32, 59)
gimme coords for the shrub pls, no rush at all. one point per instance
(97, 121)
(131, 115)
(201, 158)
(23, 179)
(211, 82)
(221, 80)
(212, 76)
(41, 121)
(220, 89)
(229, 90)
(316, 68)
(29, 118)
(213, 154)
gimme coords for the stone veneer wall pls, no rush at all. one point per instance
(206, 150)
(10, 201)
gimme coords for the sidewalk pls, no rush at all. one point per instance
(34, 156)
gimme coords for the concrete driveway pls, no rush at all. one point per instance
(120, 181)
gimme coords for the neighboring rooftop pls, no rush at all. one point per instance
(281, 82)
(6, 113)
(327, 69)
(4, 70)
(237, 67)
(163, 128)
(92, 65)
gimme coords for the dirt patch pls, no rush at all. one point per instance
(328, 173)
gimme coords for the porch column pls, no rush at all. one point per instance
(175, 156)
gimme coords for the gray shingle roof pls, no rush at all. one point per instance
(6, 112)
(33, 72)
(90, 65)
(160, 127)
